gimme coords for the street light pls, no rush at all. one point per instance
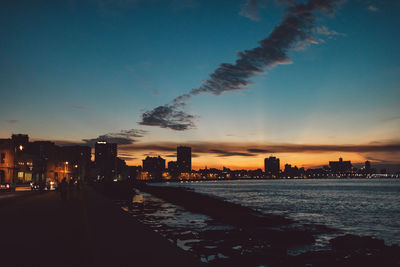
(65, 168)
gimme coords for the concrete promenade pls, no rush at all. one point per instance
(87, 230)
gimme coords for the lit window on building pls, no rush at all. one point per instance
(28, 177)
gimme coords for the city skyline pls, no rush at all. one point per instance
(106, 157)
(24, 161)
(79, 72)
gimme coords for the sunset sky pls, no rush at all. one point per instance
(79, 71)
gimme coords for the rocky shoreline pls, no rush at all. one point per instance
(258, 239)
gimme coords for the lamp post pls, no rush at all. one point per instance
(65, 168)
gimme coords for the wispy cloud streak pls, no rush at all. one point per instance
(250, 10)
(373, 8)
(227, 149)
(297, 26)
(123, 137)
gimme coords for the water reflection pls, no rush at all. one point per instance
(358, 206)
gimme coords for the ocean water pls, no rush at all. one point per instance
(357, 206)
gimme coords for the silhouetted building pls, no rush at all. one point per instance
(20, 141)
(256, 174)
(22, 160)
(184, 159)
(173, 169)
(291, 172)
(155, 166)
(121, 170)
(43, 153)
(18, 165)
(133, 172)
(367, 166)
(7, 162)
(105, 159)
(340, 166)
(272, 166)
(78, 157)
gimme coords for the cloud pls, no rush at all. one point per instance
(257, 150)
(250, 10)
(12, 121)
(62, 142)
(222, 153)
(123, 137)
(168, 116)
(127, 158)
(323, 30)
(296, 27)
(373, 8)
(228, 149)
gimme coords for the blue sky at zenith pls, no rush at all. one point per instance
(71, 70)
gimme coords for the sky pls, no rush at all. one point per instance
(306, 81)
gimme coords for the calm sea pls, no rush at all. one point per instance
(357, 206)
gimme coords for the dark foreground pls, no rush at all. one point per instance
(87, 230)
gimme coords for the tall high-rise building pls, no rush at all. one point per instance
(184, 159)
(272, 166)
(105, 159)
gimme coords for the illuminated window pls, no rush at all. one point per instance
(28, 177)
(20, 175)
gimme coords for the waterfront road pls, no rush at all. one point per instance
(4, 195)
(87, 230)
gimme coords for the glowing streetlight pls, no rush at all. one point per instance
(21, 147)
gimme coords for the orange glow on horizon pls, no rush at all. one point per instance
(306, 160)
